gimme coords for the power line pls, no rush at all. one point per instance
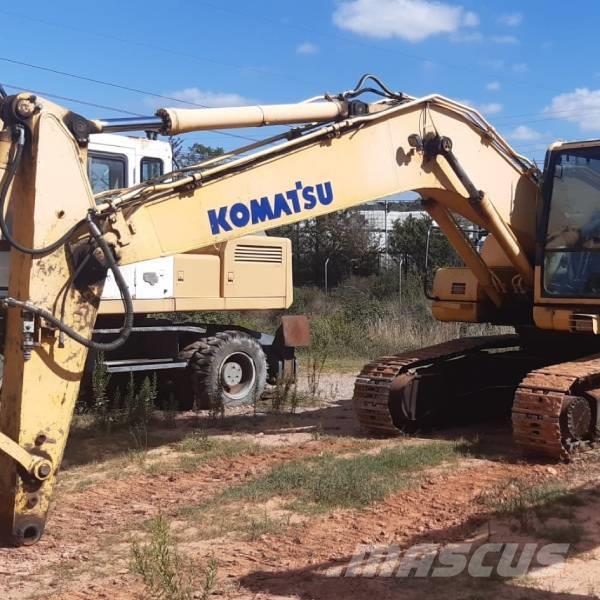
(75, 100)
(171, 51)
(238, 67)
(552, 115)
(192, 103)
(356, 41)
(118, 86)
(565, 116)
(312, 31)
(107, 107)
(99, 81)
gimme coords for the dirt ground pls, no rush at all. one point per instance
(111, 486)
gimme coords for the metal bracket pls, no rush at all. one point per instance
(433, 145)
(120, 228)
(36, 466)
(28, 333)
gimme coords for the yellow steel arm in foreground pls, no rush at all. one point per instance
(323, 169)
(50, 194)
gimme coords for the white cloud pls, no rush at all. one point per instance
(410, 20)
(491, 108)
(487, 108)
(307, 48)
(492, 86)
(196, 96)
(470, 19)
(581, 106)
(522, 133)
(466, 37)
(504, 39)
(463, 36)
(511, 19)
(497, 64)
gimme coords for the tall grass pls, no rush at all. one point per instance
(166, 573)
(362, 318)
(356, 321)
(115, 407)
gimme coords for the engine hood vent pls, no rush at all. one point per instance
(261, 254)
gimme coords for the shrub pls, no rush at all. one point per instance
(165, 572)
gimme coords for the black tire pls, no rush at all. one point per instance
(227, 369)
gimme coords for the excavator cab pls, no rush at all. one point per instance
(568, 255)
(571, 242)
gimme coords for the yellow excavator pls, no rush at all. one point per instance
(538, 269)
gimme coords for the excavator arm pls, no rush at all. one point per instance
(63, 239)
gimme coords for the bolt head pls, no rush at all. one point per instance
(25, 108)
(43, 470)
(446, 144)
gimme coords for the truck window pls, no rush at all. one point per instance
(151, 168)
(106, 171)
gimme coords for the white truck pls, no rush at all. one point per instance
(205, 365)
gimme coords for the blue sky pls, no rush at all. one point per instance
(530, 67)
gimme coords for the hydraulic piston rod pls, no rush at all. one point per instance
(129, 124)
(175, 121)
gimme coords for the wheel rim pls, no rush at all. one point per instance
(237, 375)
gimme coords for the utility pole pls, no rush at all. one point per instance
(400, 265)
(326, 277)
(386, 257)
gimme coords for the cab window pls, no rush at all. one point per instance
(151, 168)
(572, 248)
(106, 171)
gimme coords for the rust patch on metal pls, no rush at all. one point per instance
(540, 400)
(294, 331)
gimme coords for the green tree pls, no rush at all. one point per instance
(408, 239)
(342, 237)
(176, 150)
(198, 152)
(195, 153)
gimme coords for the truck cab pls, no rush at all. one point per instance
(116, 161)
(253, 272)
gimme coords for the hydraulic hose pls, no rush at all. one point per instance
(125, 294)
(13, 167)
(382, 91)
(11, 171)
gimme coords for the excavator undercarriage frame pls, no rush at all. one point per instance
(549, 382)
